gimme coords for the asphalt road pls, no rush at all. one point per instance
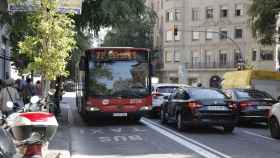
(149, 139)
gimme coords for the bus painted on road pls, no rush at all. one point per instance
(114, 82)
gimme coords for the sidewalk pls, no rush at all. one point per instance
(59, 147)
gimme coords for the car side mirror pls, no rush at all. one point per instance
(278, 99)
(186, 96)
(165, 97)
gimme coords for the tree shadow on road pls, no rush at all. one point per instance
(199, 129)
(112, 122)
(253, 125)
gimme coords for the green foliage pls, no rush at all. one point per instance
(50, 44)
(95, 15)
(136, 32)
(262, 13)
(106, 13)
(83, 39)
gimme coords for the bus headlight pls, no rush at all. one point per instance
(93, 109)
(145, 108)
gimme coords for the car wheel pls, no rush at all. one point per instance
(162, 116)
(274, 128)
(228, 128)
(180, 125)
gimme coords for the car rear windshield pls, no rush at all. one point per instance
(166, 89)
(197, 93)
(253, 94)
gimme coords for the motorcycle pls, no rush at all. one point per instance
(30, 128)
(7, 148)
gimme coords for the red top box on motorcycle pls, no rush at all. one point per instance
(25, 125)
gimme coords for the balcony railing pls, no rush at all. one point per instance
(211, 65)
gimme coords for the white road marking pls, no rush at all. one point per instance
(257, 135)
(190, 140)
(134, 156)
(135, 129)
(117, 130)
(185, 143)
(82, 131)
(70, 115)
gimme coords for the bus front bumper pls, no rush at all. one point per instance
(96, 112)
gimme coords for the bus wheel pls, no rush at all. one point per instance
(85, 117)
(136, 119)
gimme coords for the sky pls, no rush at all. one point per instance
(99, 40)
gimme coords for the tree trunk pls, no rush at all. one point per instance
(46, 86)
(3, 6)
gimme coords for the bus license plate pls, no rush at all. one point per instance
(263, 107)
(119, 114)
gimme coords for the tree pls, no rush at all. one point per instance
(50, 42)
(136, 32)
(95, 15)
(262, 13)
(106, 13)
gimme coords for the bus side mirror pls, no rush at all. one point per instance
(82, 64)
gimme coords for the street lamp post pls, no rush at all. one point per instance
(3, 57)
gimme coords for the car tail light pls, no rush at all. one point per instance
(193, 105)
(246, 104)
(156, 94)
(32, 150)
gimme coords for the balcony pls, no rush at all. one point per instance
(211, 65)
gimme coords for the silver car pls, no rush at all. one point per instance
(159, 91)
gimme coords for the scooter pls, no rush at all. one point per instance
(7, 148)
(30, 129)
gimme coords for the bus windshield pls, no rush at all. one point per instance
(118, 77)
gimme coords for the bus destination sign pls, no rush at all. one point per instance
(115, 55)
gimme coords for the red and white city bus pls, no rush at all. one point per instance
(114, 82)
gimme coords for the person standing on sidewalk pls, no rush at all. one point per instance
(2, 84)
(9, 93)
(38, 89)
(28, 91)
(58, 94)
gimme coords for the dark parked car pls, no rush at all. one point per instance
(200, 106)
(254, 105)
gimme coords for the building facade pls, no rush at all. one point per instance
(4, 53)
(200, 40)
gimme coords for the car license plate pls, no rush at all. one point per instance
(216, 108)
(263, 107)
(119, 114)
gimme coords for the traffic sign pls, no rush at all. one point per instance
(65, 6)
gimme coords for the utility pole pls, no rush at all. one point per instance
(277, 40)
(3, 49)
